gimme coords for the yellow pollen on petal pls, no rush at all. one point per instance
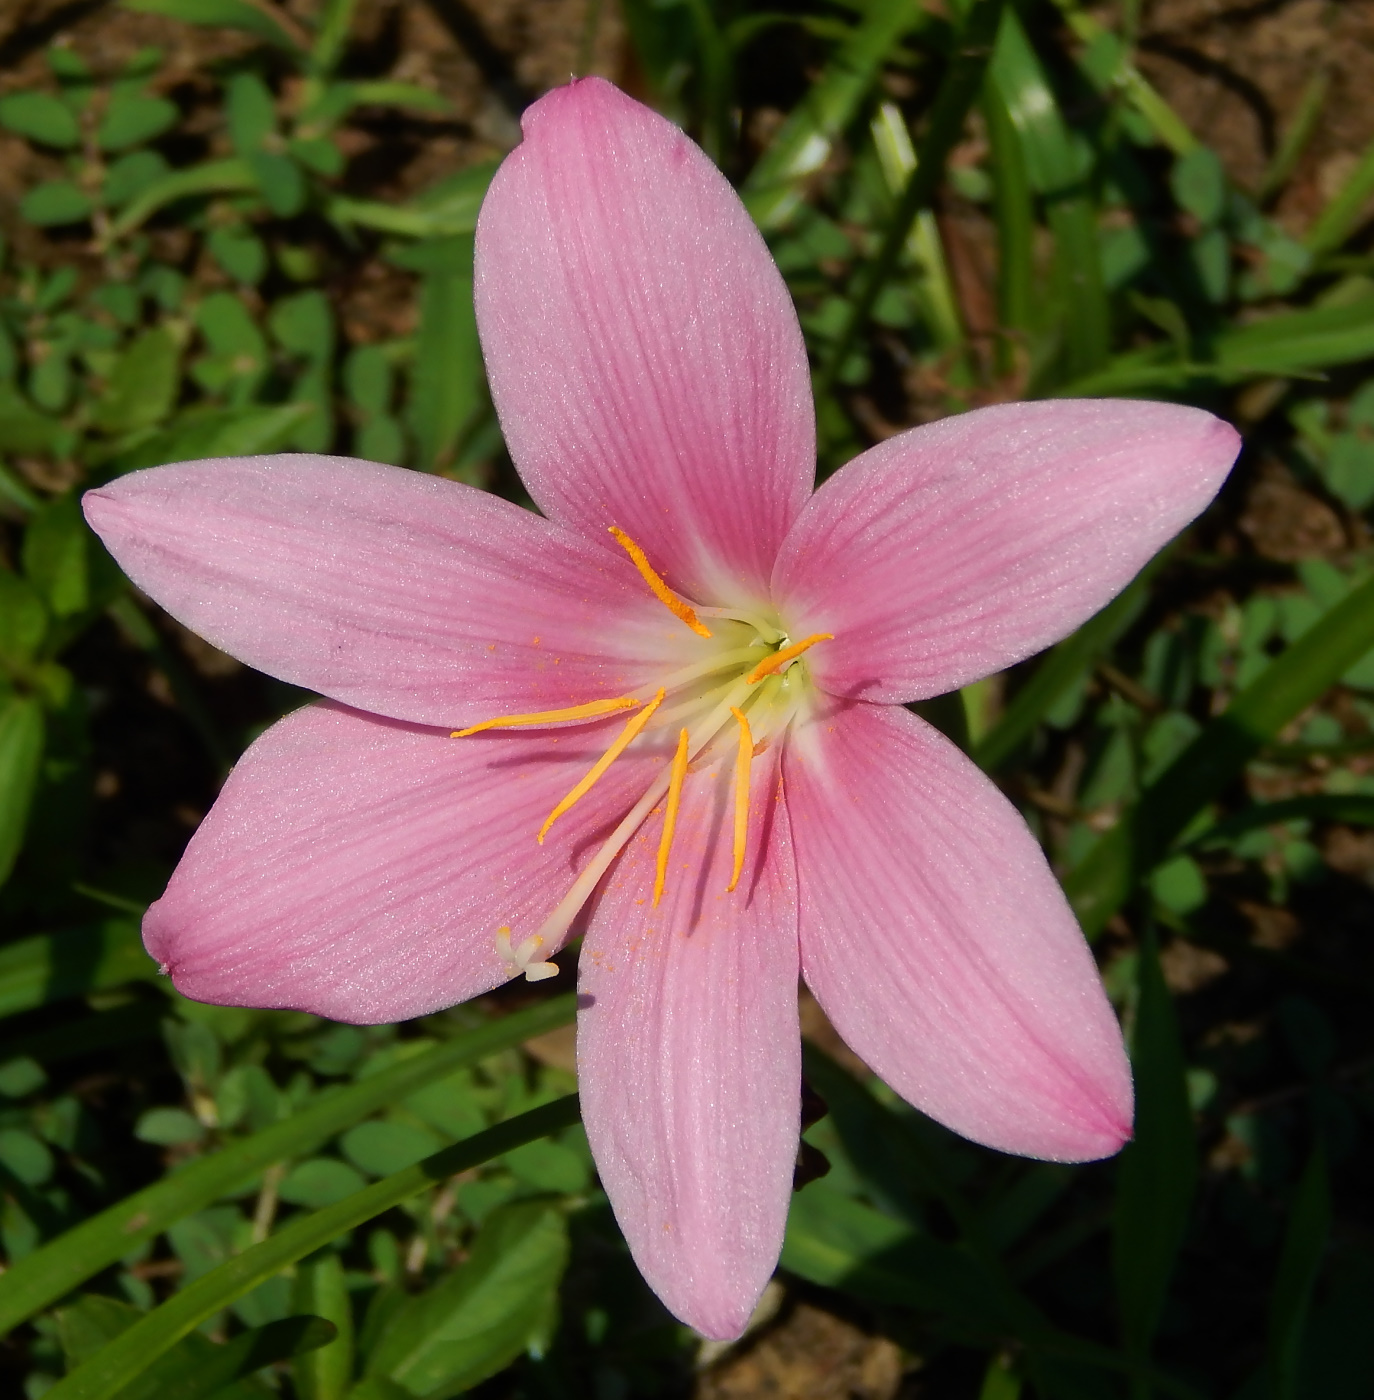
(626, 737)
(665, 844)
(743, 758)
(590, 710)
(661, 591)
(772, 664)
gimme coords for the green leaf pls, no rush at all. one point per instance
(55, 202)
(320, 1290)
(232, 14)
(23, 429)
(240, 253)
(485, 1313)
(447, 382)
(130, 175)
(131, 1353)
(21, 757)
(280, 181)
(841, 1243)
(380, 439)
(231, 432)
(196, 1368)
(167, 1127)
(142, 389)
(41, 117)
(1199, 184)
(24, 1157)
(232, 176)
(23, 622)
(51, 967)
(57, 556)
(549, 1166)
(367, 379)
(378, 1149)
(1157, 1172)
(132, 118)
(776, 186)
(304, 325)
(250, 112)
(1304, 1245)
(322, 1181)
(1290, 683)
(31, 1284)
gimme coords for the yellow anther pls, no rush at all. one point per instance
(627, 735)
(743, 758)
(665, 844)
(591, 710)
(661, 591)
(771, 664)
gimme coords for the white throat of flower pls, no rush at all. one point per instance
(741, 697)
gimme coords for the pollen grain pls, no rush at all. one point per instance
(661, 591)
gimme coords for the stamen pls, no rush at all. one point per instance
(742, 760)
(590, 710)
(626, 738)
(665, 843)
(661, 591)
(771, 664)
(520, 958)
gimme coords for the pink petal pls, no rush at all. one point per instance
(940, 946)
(643, 352)
(399, 593)
(956, 549)
(688, 1053)
(360, 868)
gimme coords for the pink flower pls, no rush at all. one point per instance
(775, 811)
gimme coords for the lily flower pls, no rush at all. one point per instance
(667, 714)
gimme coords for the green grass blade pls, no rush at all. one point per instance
(1342, 215)
(1055, 169)
(1294, 680)
(44, 1276)
(1352, 808)
(1157, 1172)
(1060, 669)
(117, 1364)
(1015, 215)
(231, 176)
(1304, 1244)
(774, 189)
(53, 966)
(957, 94)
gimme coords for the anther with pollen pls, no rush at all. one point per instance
(660, 590)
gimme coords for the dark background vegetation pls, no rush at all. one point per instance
(253, 232)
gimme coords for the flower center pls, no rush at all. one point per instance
(738, 697)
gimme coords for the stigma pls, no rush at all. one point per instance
(743, 685)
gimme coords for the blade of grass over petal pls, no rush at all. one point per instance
(957, 94)
(44, 1276)
(1060, 669)
(118, 1363)
(1130, 850)
(773, 192)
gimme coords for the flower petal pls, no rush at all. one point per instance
(956, 549)
(396, 592)
(938, 943)
(360, 868)
(689, 1056)
(643, 352)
